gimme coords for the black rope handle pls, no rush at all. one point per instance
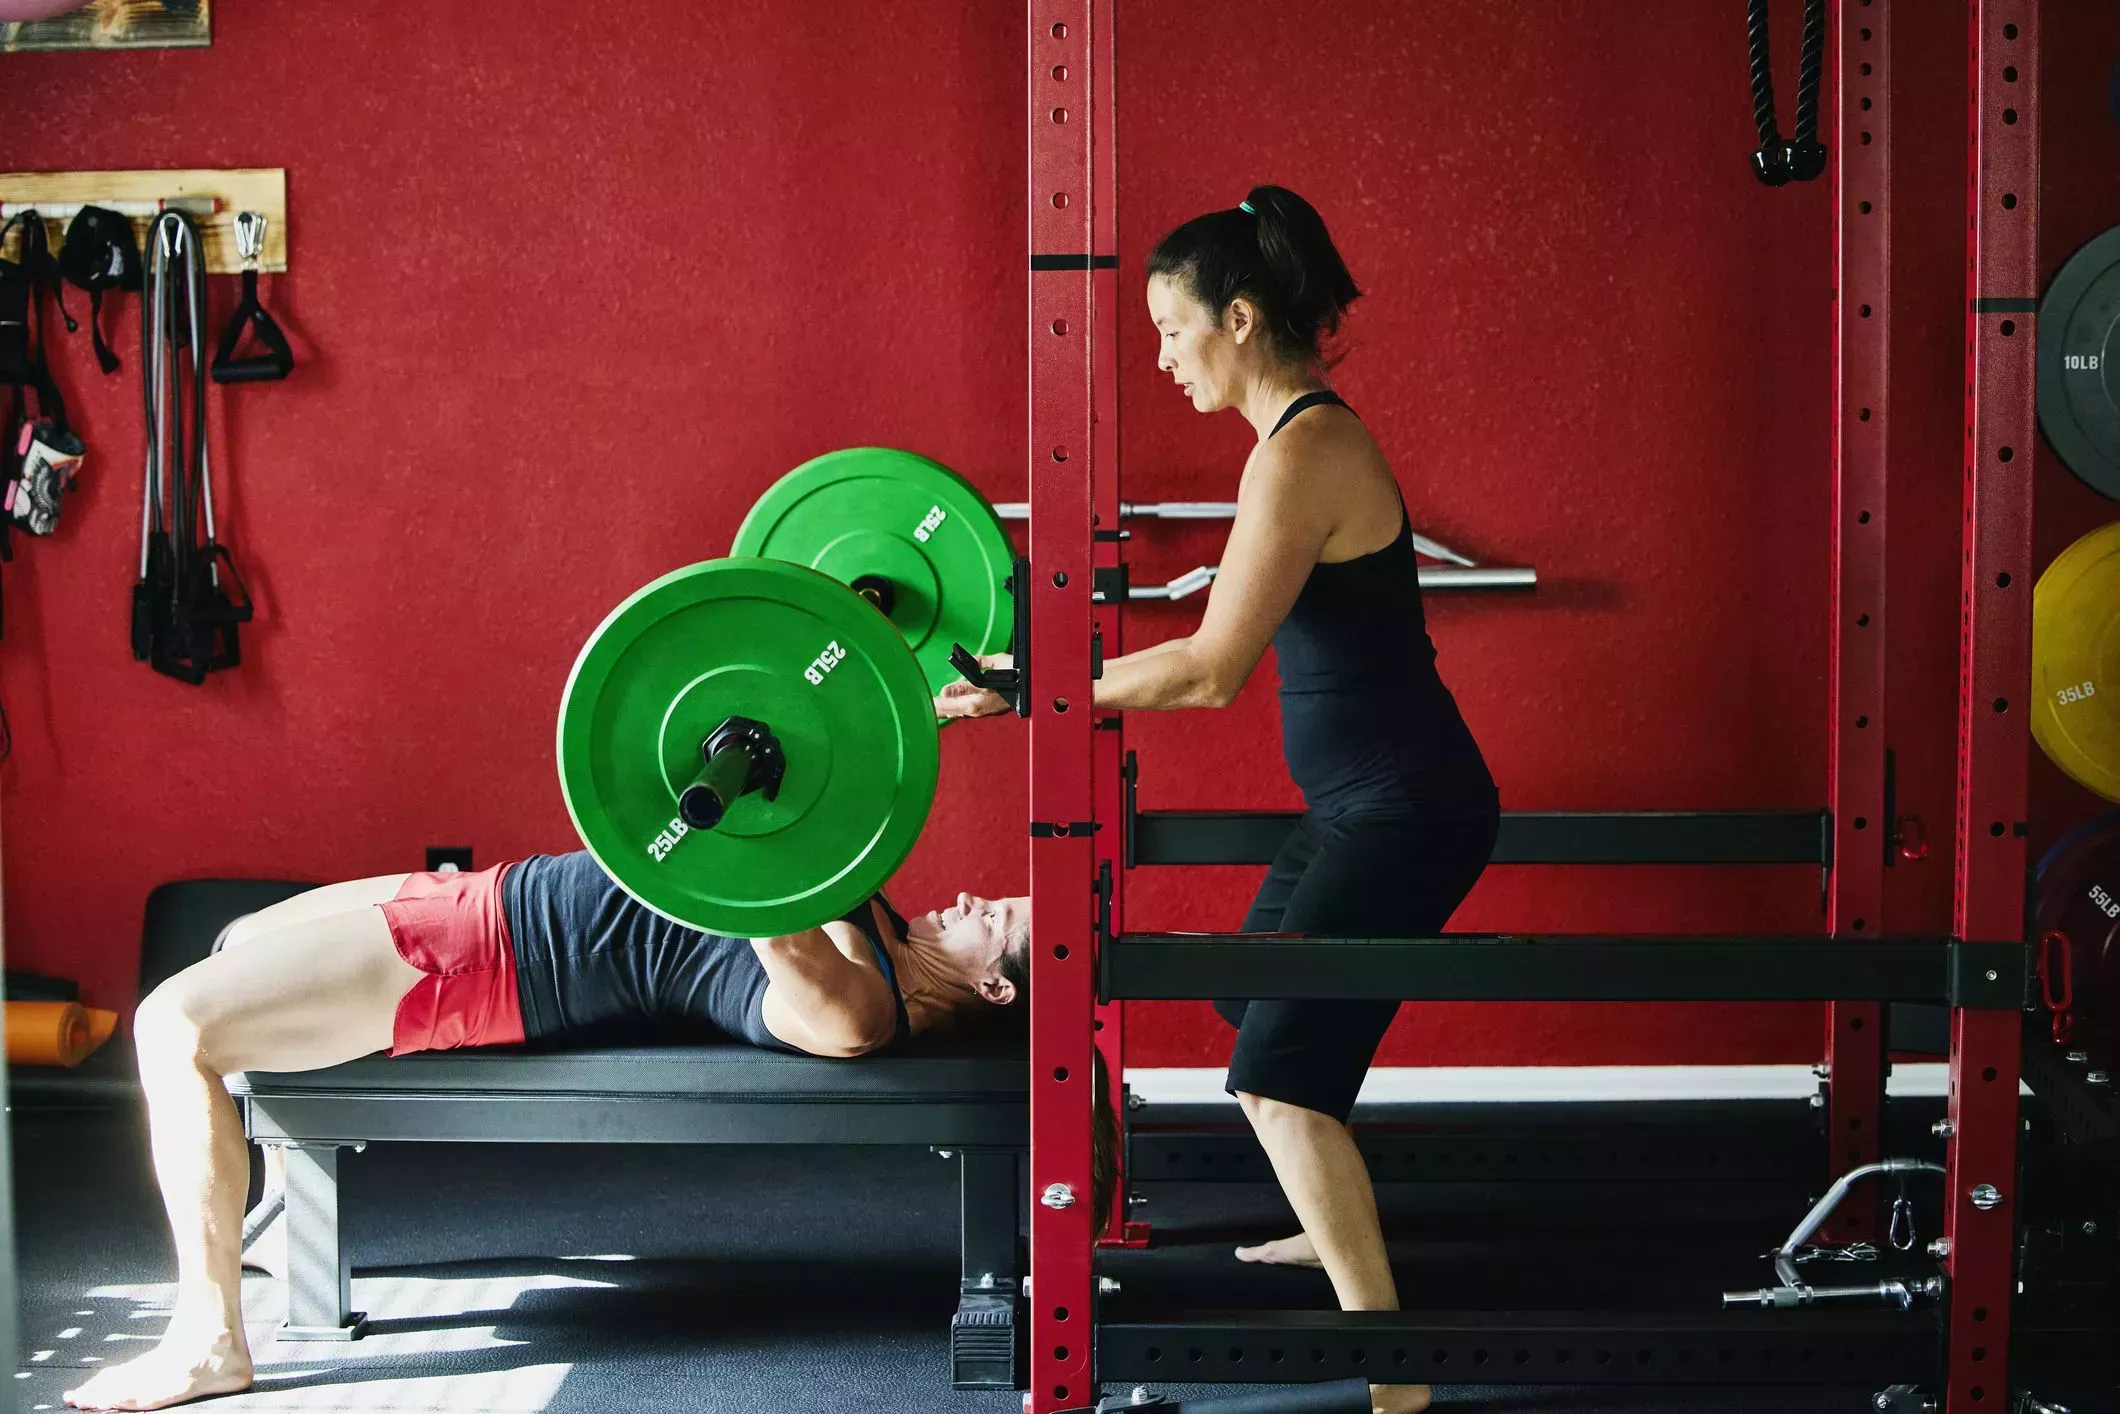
(1762, 76)
(1810, 72)
(1780, 160)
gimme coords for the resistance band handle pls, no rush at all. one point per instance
(251, 370)
(706, 800)
(267, 367)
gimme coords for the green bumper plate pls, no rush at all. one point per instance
(817, 665)
(876, 513)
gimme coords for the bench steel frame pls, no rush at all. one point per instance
(974, 1107)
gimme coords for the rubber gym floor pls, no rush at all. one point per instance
(576, 1278)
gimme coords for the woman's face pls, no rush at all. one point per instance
(974, 933)
(1199, 354)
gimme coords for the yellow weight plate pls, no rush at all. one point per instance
(2076, 661)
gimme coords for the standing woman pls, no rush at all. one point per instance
(1320, 562)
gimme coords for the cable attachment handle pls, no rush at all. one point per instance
(251, 317)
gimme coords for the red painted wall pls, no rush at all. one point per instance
(571, 291)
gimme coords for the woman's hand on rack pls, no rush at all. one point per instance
(962, 699)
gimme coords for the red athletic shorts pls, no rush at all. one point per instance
(452, 927)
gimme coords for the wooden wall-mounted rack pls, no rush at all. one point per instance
(212, 199)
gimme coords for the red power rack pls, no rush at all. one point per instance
(1856, 725)
(1994, 678)
(1076, 592)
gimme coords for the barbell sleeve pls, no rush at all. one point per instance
(725, 776)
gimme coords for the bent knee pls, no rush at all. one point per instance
(168, 1025)
(1261, 1109)
(1258, 1108)
(246, 928)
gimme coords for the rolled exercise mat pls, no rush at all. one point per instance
(55, 1033)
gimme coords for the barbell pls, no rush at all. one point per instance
(748, 746)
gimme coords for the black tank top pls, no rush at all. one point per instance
(1366, 723)
(596, 967)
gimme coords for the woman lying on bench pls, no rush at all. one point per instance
(546, 951)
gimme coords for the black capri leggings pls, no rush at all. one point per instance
(1351, 877)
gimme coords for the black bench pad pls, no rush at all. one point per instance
(727, 1094)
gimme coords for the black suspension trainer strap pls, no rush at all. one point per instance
(25, 368)
(1780, 160)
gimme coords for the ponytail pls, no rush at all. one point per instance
(1274, 250)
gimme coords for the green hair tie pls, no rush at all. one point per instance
(1245, 207)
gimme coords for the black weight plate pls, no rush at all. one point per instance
(2079, 380)
(2077, 892)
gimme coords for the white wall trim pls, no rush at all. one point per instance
(1551, 1084)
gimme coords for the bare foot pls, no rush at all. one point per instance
(178, 1369)
(1398, 1399)
(1287, 1252)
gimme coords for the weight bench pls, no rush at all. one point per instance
(973, 1103)
(976, 1104)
